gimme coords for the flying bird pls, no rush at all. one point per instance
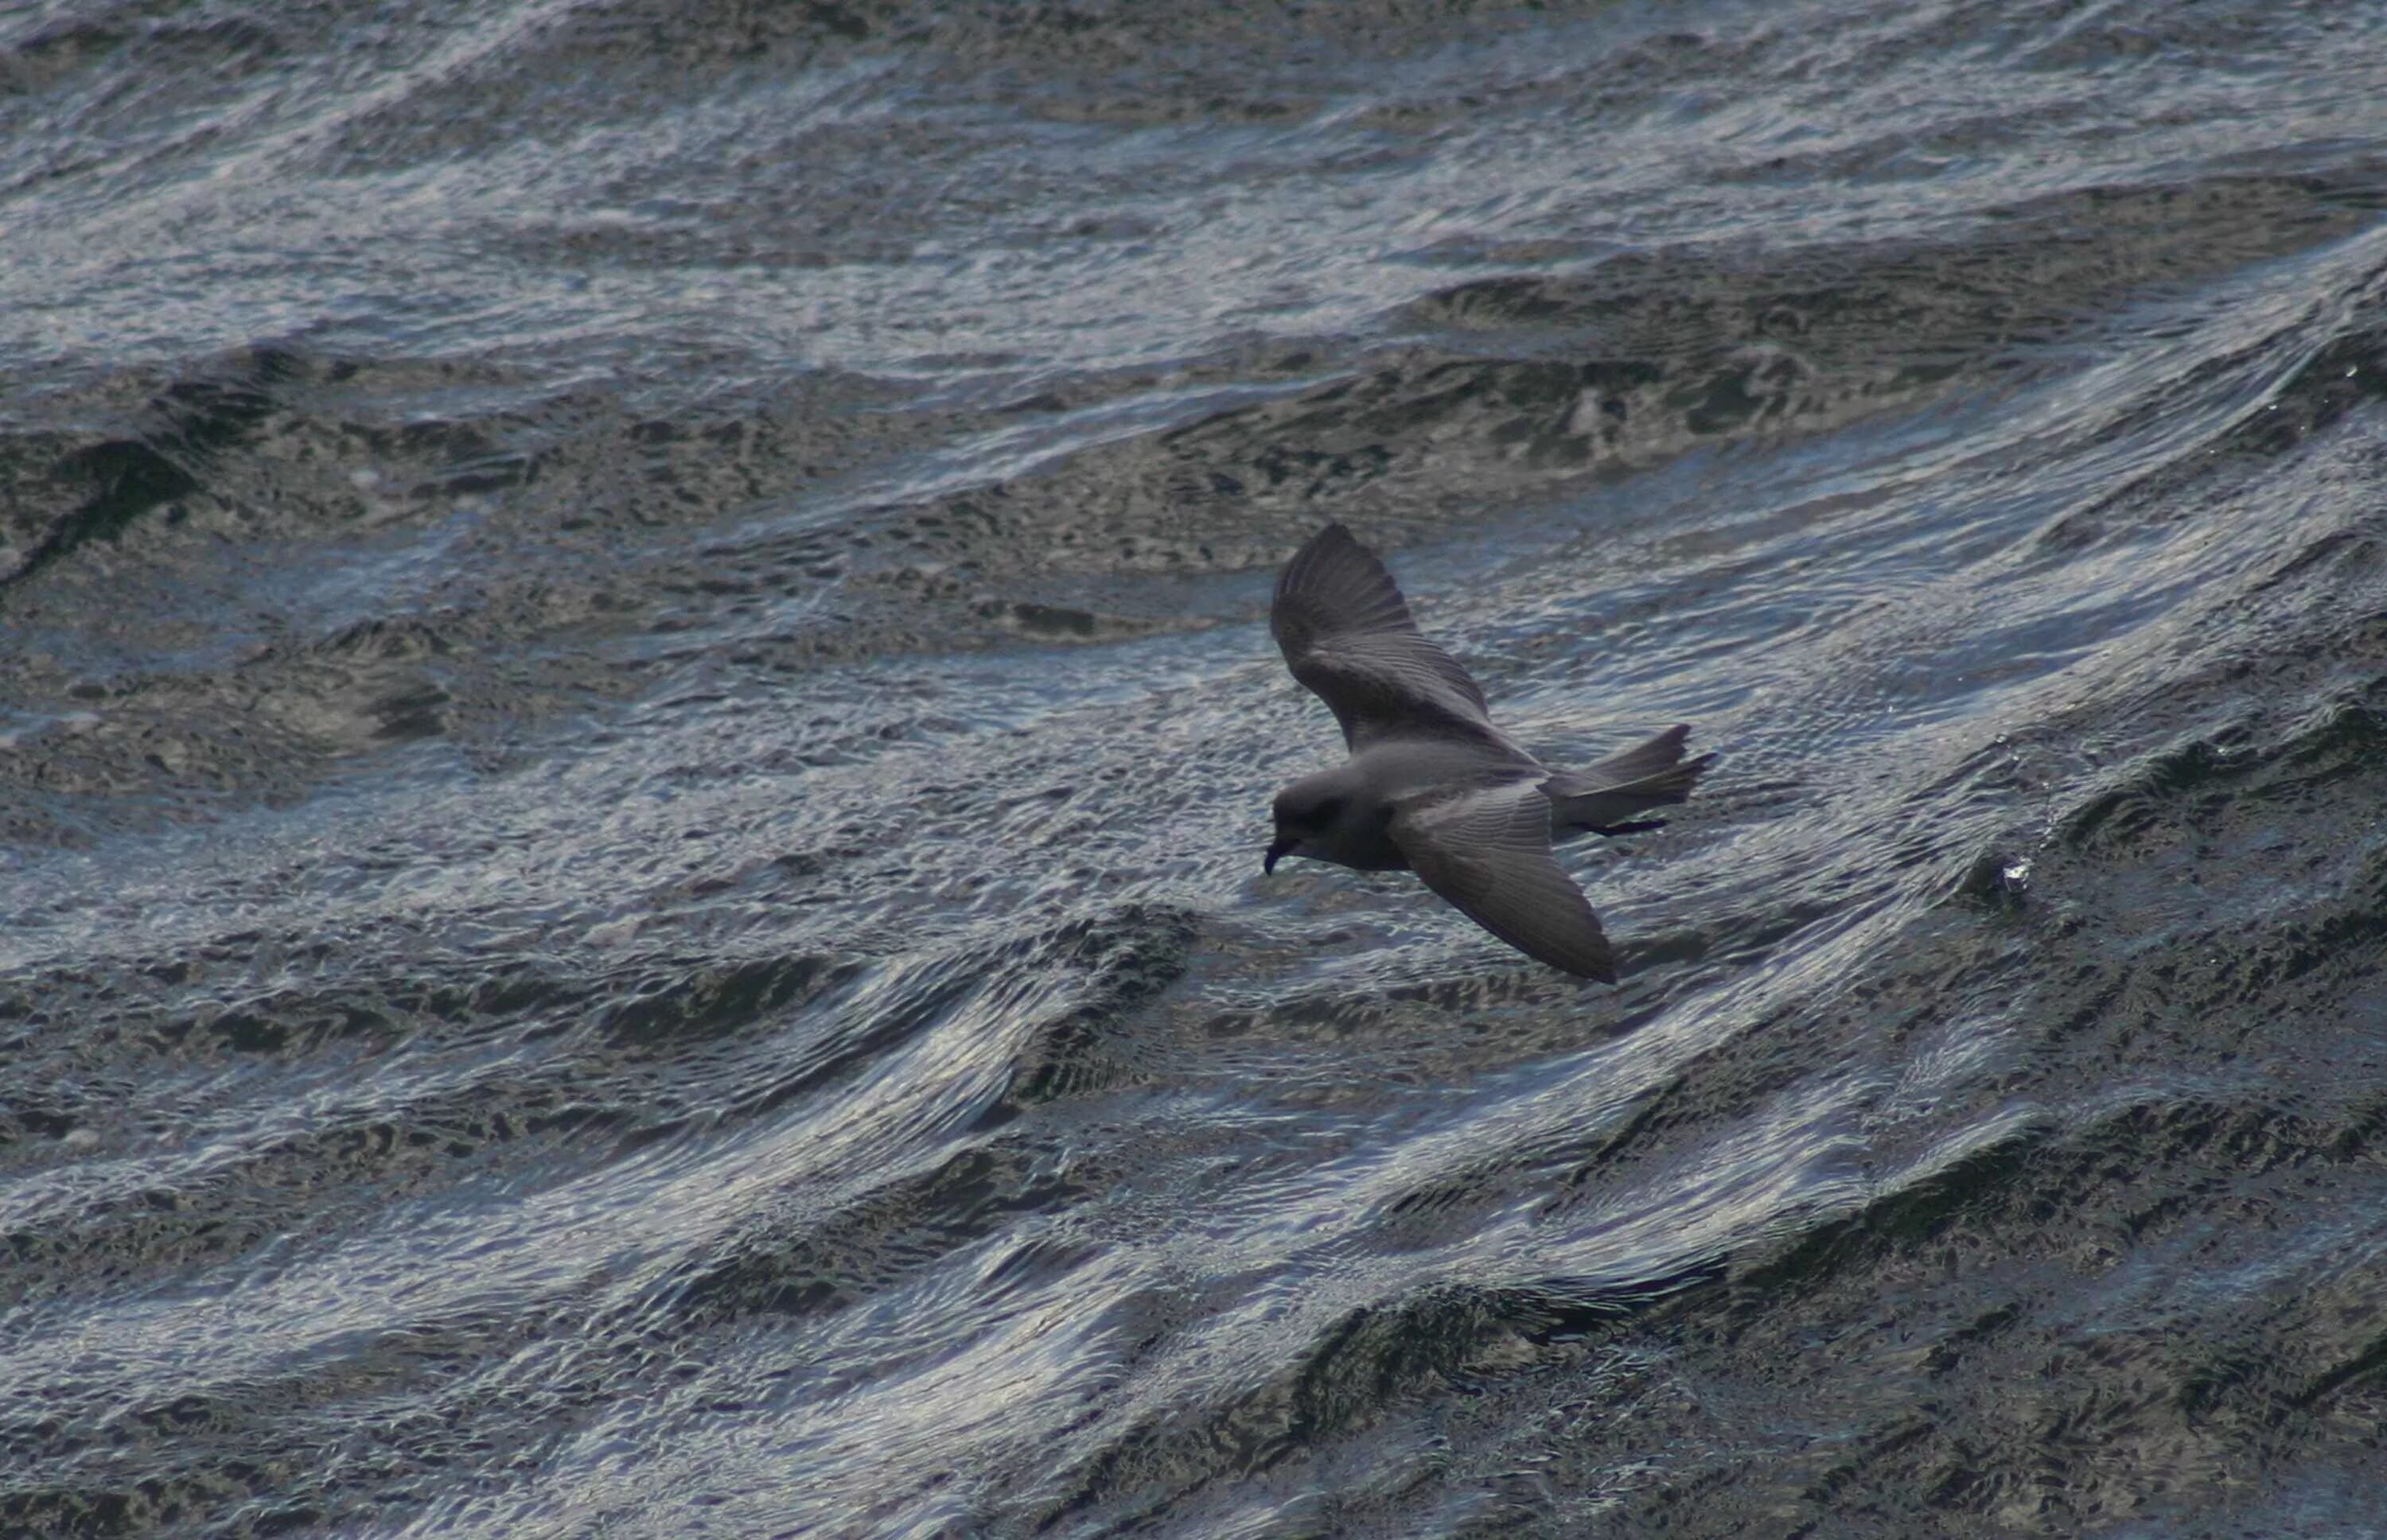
(1431, 784)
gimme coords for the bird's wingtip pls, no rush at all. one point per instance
(1600, 968)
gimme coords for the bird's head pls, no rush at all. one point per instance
(1309, 812)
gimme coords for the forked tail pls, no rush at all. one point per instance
(1610, 797)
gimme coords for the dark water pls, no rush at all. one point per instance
(637, 727)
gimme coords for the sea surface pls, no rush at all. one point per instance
(637, 725)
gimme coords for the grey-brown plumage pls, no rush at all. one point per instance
(1430, 784)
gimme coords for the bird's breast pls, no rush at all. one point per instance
(1370, 853)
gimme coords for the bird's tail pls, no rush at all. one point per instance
(1609, 796)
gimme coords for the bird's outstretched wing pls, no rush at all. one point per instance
(1346, 633)
(1488, 851)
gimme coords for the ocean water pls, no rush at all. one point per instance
(636, 722)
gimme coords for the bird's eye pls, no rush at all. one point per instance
(1328, 811)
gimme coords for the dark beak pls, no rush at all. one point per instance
(1278, 851)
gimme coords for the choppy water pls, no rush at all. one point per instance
(636, 730)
